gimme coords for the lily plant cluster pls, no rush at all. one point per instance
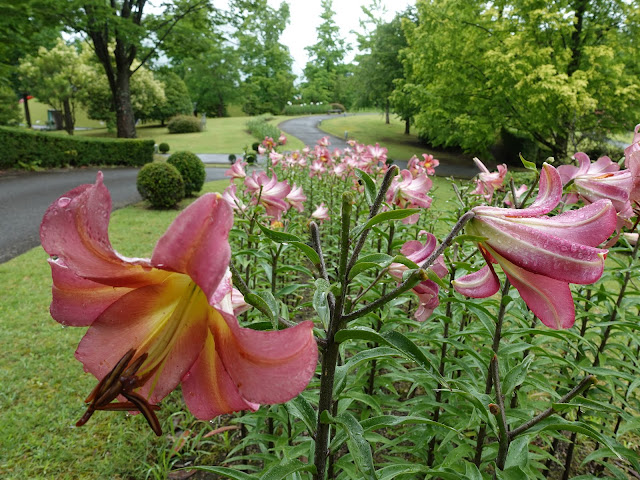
(172, 319)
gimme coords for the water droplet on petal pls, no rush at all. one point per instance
(64, 201)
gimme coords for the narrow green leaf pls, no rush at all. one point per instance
(370, 189)
(358, 447)
(393, 339)
(259, 303)
(528, 165)
(518, 454)
(225, 472)
(384, 217)
(392, 471)
(279, 237)
(272, 303)
(300, 408)
(311, 254)
(472, 472)
(282, 470)
(289, 289)
(320, 303)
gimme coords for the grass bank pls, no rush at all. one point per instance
(43, 386)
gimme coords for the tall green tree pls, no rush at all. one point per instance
(265, 62)
(326, 66)
(57, 77)
(123, 39)
(176, 97)
(380, 66)
(554, 72)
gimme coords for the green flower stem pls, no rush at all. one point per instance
(501, 415)
(575, 391)
(482, 431)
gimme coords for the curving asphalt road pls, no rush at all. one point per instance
(24, 197)
(306, 129)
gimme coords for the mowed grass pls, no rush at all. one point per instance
(43, 387)
(221, 135)
(371, 129)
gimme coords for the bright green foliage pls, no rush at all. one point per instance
(192, 170)
(184, 124)
(23, 148)
(381, 67)
(555, 73)
(161, 184)
(176, 98)
(9, 112)
(57, 77)
(163, 147)
(264, 60)
(325, 70)
(260, 128)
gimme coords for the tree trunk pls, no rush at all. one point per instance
(68, 116)
(386, 113)
(125, 120)
(27, 115)
(407, 126)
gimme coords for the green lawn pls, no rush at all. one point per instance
(43, 386)
(371, 129)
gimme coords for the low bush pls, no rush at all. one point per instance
(232, 158)
(251, 158)
(48, 150)
(192, 170)
(259, 128)
(161, 184)
(163, 147)
(184, 124)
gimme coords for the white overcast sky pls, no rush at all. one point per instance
(305, 17)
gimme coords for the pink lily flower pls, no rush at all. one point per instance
(632, 238)
(236, 170)
(508, 200)
(261, 150)
(164, 309)
(410, 192)
(282, 140)
(376, 153)
(316, 169)
(321, 213)
(599, 180)
(296, 197)
(430, 163)
(541, 255)
(487, 181)
(324, 141)
(272, 195)
(268, 143)
(230, 196)
(427, 291)
(632, 162)
(275, 157)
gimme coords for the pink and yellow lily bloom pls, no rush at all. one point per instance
(321, 213)
(488, 182)
(174, 310)
(427, 290)
(541, 255)
(409, 192)
(632, 162)
(296, 198)
(272, 194)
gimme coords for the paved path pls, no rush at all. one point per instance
(24, 197)
(306, 129)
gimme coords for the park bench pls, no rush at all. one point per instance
(334, 110)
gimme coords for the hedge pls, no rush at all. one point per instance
(20, 147)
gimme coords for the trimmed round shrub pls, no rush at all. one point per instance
(251, 158)
(192, 170)
(163, 147)
(338, 106)
(232, 158)
(184, 124)
(161, 184)
(254, 146)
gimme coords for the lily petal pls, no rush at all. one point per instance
(480, 284)
(267, 367)
(166, 321)
(207, 388)
(196, 242)
(76, 229)
(550, 300)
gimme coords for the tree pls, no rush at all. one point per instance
(554, 73)
(57, 77)
(123, 40)
(326, 57)
(176, 97)
(265, 62)
(145, 92)
(9, 111)
(381, 67)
